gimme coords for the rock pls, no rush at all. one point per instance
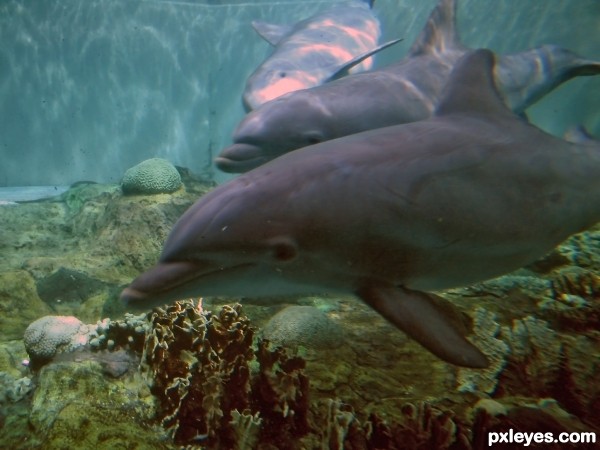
(75, 406)
(68, 286)
(19, 303)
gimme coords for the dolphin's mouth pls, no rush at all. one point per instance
(168, 281)
(240, 158)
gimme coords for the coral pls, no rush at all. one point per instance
(531, 286)
(577, 282)
(49, 335)
(304, 326)
(152, 176)
(246, 428)
(534, 352)
(128, 333)
(280, 392)
(530, 418)
(575, 303)
(339, 418)
(197, 365)
(583, 249)
(419, 426)
(486, 331)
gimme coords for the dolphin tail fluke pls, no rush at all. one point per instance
(440, 32)
(425, 319)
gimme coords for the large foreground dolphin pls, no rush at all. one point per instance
(315, 50)
(403, 92)
(389, 214)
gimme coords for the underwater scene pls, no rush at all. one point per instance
(364, 224)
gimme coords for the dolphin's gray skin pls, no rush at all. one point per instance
(403, 92)
(314, 50)
(388, 214)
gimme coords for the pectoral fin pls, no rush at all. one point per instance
(422, 318)
(347, 66)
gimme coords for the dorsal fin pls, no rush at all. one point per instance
(271, 32)
(471, 87)
(440, 32)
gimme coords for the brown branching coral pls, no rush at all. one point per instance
(198, 366)
(280, 394)
(420, 426)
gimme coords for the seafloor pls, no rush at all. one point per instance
(348, 379)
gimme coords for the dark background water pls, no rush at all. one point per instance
(89, 88)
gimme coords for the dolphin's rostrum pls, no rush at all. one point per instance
(469, 194)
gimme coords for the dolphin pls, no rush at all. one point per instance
(389, 214)
(402, 92)
(323, 47)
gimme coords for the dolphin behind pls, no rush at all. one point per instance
(322, 47)
(389, 214)
(402, 92)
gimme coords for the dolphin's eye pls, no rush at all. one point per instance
(282, 74)
(283, 250)
(313, 138)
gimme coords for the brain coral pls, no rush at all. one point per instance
(53, 334)
(152, 176)
(303, 325)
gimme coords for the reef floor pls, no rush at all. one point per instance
(350, 381)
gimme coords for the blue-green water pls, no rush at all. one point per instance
(90, 88)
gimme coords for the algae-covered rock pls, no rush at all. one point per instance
(75, 406)
(152, 176)
(14, 389)
(304, 326)
(68, 286)
(19, 304)
(12, 355)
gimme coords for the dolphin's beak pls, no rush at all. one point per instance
(158, 281)
(240, 158)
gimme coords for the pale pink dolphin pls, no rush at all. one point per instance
(323, 47)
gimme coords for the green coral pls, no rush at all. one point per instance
(152, 176)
